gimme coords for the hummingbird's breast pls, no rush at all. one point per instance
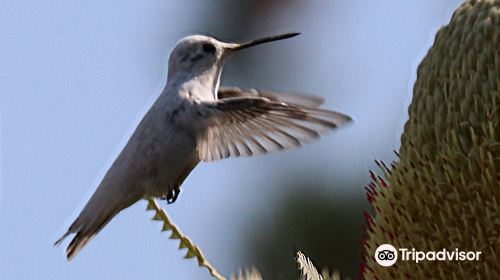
(162, 150)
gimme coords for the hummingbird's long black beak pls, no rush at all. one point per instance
(252, 43)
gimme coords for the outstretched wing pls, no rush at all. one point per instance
(304, 100)
(250, 124)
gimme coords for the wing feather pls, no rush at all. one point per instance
(295, 99)
(246, 123)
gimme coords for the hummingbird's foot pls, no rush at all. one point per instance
(172, 195)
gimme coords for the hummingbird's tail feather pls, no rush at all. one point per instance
(97, 213)
(83, 237)
(85, 228)
(61, 239)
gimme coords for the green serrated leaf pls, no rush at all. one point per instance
(183, 245)
(156, 217)
(192, 250)
(150, 206)
(190, 255)
(166, 227)
(175, 235)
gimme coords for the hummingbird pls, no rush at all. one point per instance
(195, 120)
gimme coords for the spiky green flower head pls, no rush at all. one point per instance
(444, 191)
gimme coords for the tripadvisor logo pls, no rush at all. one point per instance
(387, 255)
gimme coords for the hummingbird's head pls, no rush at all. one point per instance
(197, 54)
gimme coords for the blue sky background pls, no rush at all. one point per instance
(77, 76)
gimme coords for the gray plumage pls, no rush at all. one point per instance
(194, 120)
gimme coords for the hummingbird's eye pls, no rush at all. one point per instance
(208, 48)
